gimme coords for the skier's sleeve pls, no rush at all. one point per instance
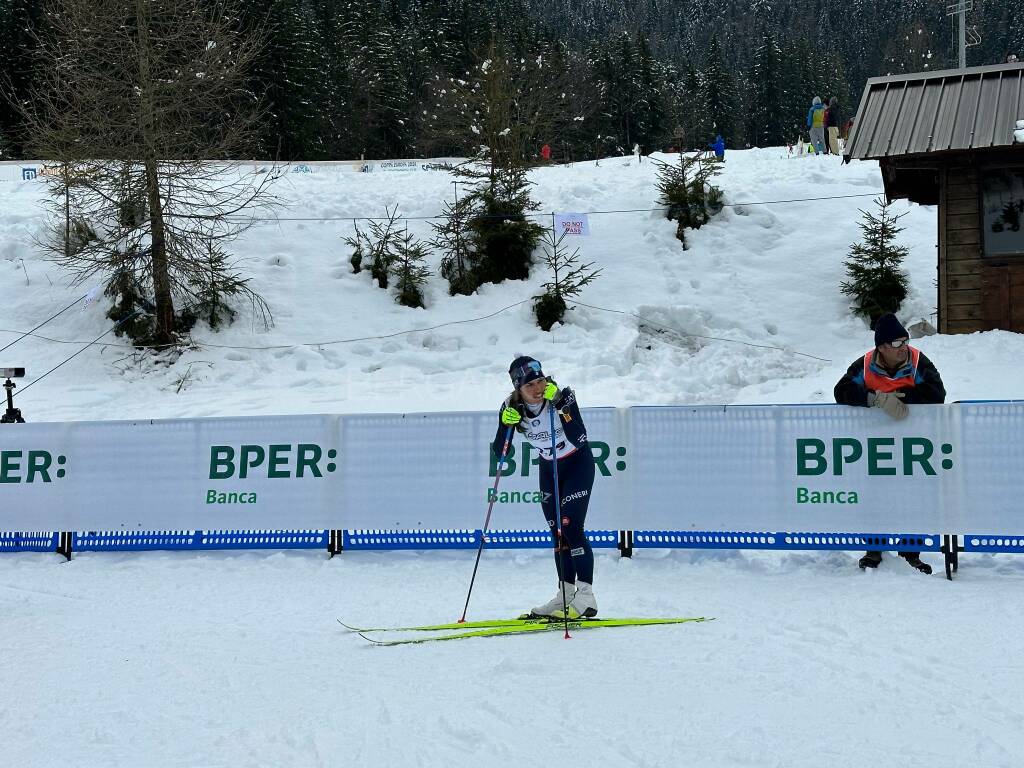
(499, 436)
(850, 389)
(572, 420)
(928, 388)
(810, 117)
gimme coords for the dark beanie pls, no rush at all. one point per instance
(887, 329)
(524, 370)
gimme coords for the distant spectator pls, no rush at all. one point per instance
(816, 124)
(1011, 58)
(832, 123)
(719, 146)
(847, 127)
(545, 153)
(636, 152)
(824, 124)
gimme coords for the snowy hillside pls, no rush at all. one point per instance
(763, 275)
(235, 659)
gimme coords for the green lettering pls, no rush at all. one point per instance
(876, 455)
(911, 457)
(601, 453)
(801, 495)
(810, 457)
(211, 497)
(840, 457)
(308, 456)
(277, 460)
(9, 465)
(851, 497)
(828, 497)
(509, 467)
(528, 459)
(222, 462)
(252, 457)
(38, 463)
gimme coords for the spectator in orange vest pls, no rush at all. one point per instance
(545, 152)
(889, 377)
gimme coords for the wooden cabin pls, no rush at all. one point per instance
(947, 139)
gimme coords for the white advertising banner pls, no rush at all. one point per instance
(945, 469)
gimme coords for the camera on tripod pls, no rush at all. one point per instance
(12, 415)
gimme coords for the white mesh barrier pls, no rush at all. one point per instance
(955, 468)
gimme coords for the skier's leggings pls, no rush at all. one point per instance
(573, 556)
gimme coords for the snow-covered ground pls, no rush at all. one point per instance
(766, 275)
(174, 659)
(229, 660)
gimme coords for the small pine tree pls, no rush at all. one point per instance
(568, 279)
(503, 238)
(877, 285)
(409, 270)
(378, 246)
(360, 245)
(686, 190)
(217, 287)
(132, 309)
(452, 237)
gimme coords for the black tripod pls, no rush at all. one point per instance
(12, 415)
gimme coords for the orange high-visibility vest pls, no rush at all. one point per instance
(878, 382)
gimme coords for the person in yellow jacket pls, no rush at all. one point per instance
(816, 124)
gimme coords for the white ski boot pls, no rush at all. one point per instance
(553, 608)
(584, 604)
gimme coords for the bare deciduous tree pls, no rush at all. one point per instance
(142, 105)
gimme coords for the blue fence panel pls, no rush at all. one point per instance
(127, 541)
(922, 542)
(28, 541)
(305, 539)
(463, 539)
(974, 542)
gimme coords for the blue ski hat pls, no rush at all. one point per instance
(524, 370)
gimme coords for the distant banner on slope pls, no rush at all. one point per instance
(947, 469)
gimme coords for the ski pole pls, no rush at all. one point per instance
(487, 519)
(558, 519)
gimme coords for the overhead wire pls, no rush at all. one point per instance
(647, 321)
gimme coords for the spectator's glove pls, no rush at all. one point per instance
(550, 391)
(510, 416)
(892, 403)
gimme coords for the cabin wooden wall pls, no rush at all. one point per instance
(975, 293)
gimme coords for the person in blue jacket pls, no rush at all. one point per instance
(719, 146)
(816, 125)
(528, 410)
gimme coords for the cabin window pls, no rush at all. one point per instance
(1002, 199)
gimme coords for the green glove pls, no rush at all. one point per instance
(550, 391)
(510, 417)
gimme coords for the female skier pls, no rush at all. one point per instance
(528, 410)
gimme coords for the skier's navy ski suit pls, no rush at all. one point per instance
(574, 556)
